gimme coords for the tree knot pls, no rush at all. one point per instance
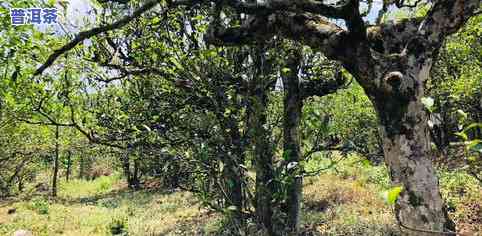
(393, 79)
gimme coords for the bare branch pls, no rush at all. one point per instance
(73, 124)
(30, 122)
(137, 71)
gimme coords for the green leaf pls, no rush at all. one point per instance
(475, 145)
(147, 128)
(473, 126)
(230, 183)
(37, 35)
(175, 62)
(286, 154)
(462, 135)
(285, 70)
(462, 114)
(292, 165)
(392, 194)
(227, 113)
(366, 163)
(472, 158)
(428, 102)
(199, 17)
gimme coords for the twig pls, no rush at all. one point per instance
(93, 32)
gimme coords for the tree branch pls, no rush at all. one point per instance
(392, 37)
(446, 17)
(312, 30)
(321, 88)
(117, 1)
(93, 32)
(339, 10)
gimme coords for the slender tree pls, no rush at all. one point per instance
(69, 166)
(296, 90)
(56, 163)
(260, 138)
(293, 105)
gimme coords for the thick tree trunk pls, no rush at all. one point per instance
(56, 163)
(407, 149)
(370, 53)
(292, 154)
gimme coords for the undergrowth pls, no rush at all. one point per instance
(346, 199)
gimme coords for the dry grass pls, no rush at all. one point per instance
(343, 202)
(463, 195)
(337, 206)
(75, 214)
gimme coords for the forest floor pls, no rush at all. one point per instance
(348, 200)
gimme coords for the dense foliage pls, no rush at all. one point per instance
(158, 103)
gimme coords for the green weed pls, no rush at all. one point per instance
(40, 205)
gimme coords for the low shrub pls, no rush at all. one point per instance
(119, 226)
(40, 205)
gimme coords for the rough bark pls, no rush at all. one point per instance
(295, 91)
(263, 154)
(291, 142)
(406, 145)
(420, 209)
(132, 175)
(264, 169)
(420, 205)
(406, 142)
